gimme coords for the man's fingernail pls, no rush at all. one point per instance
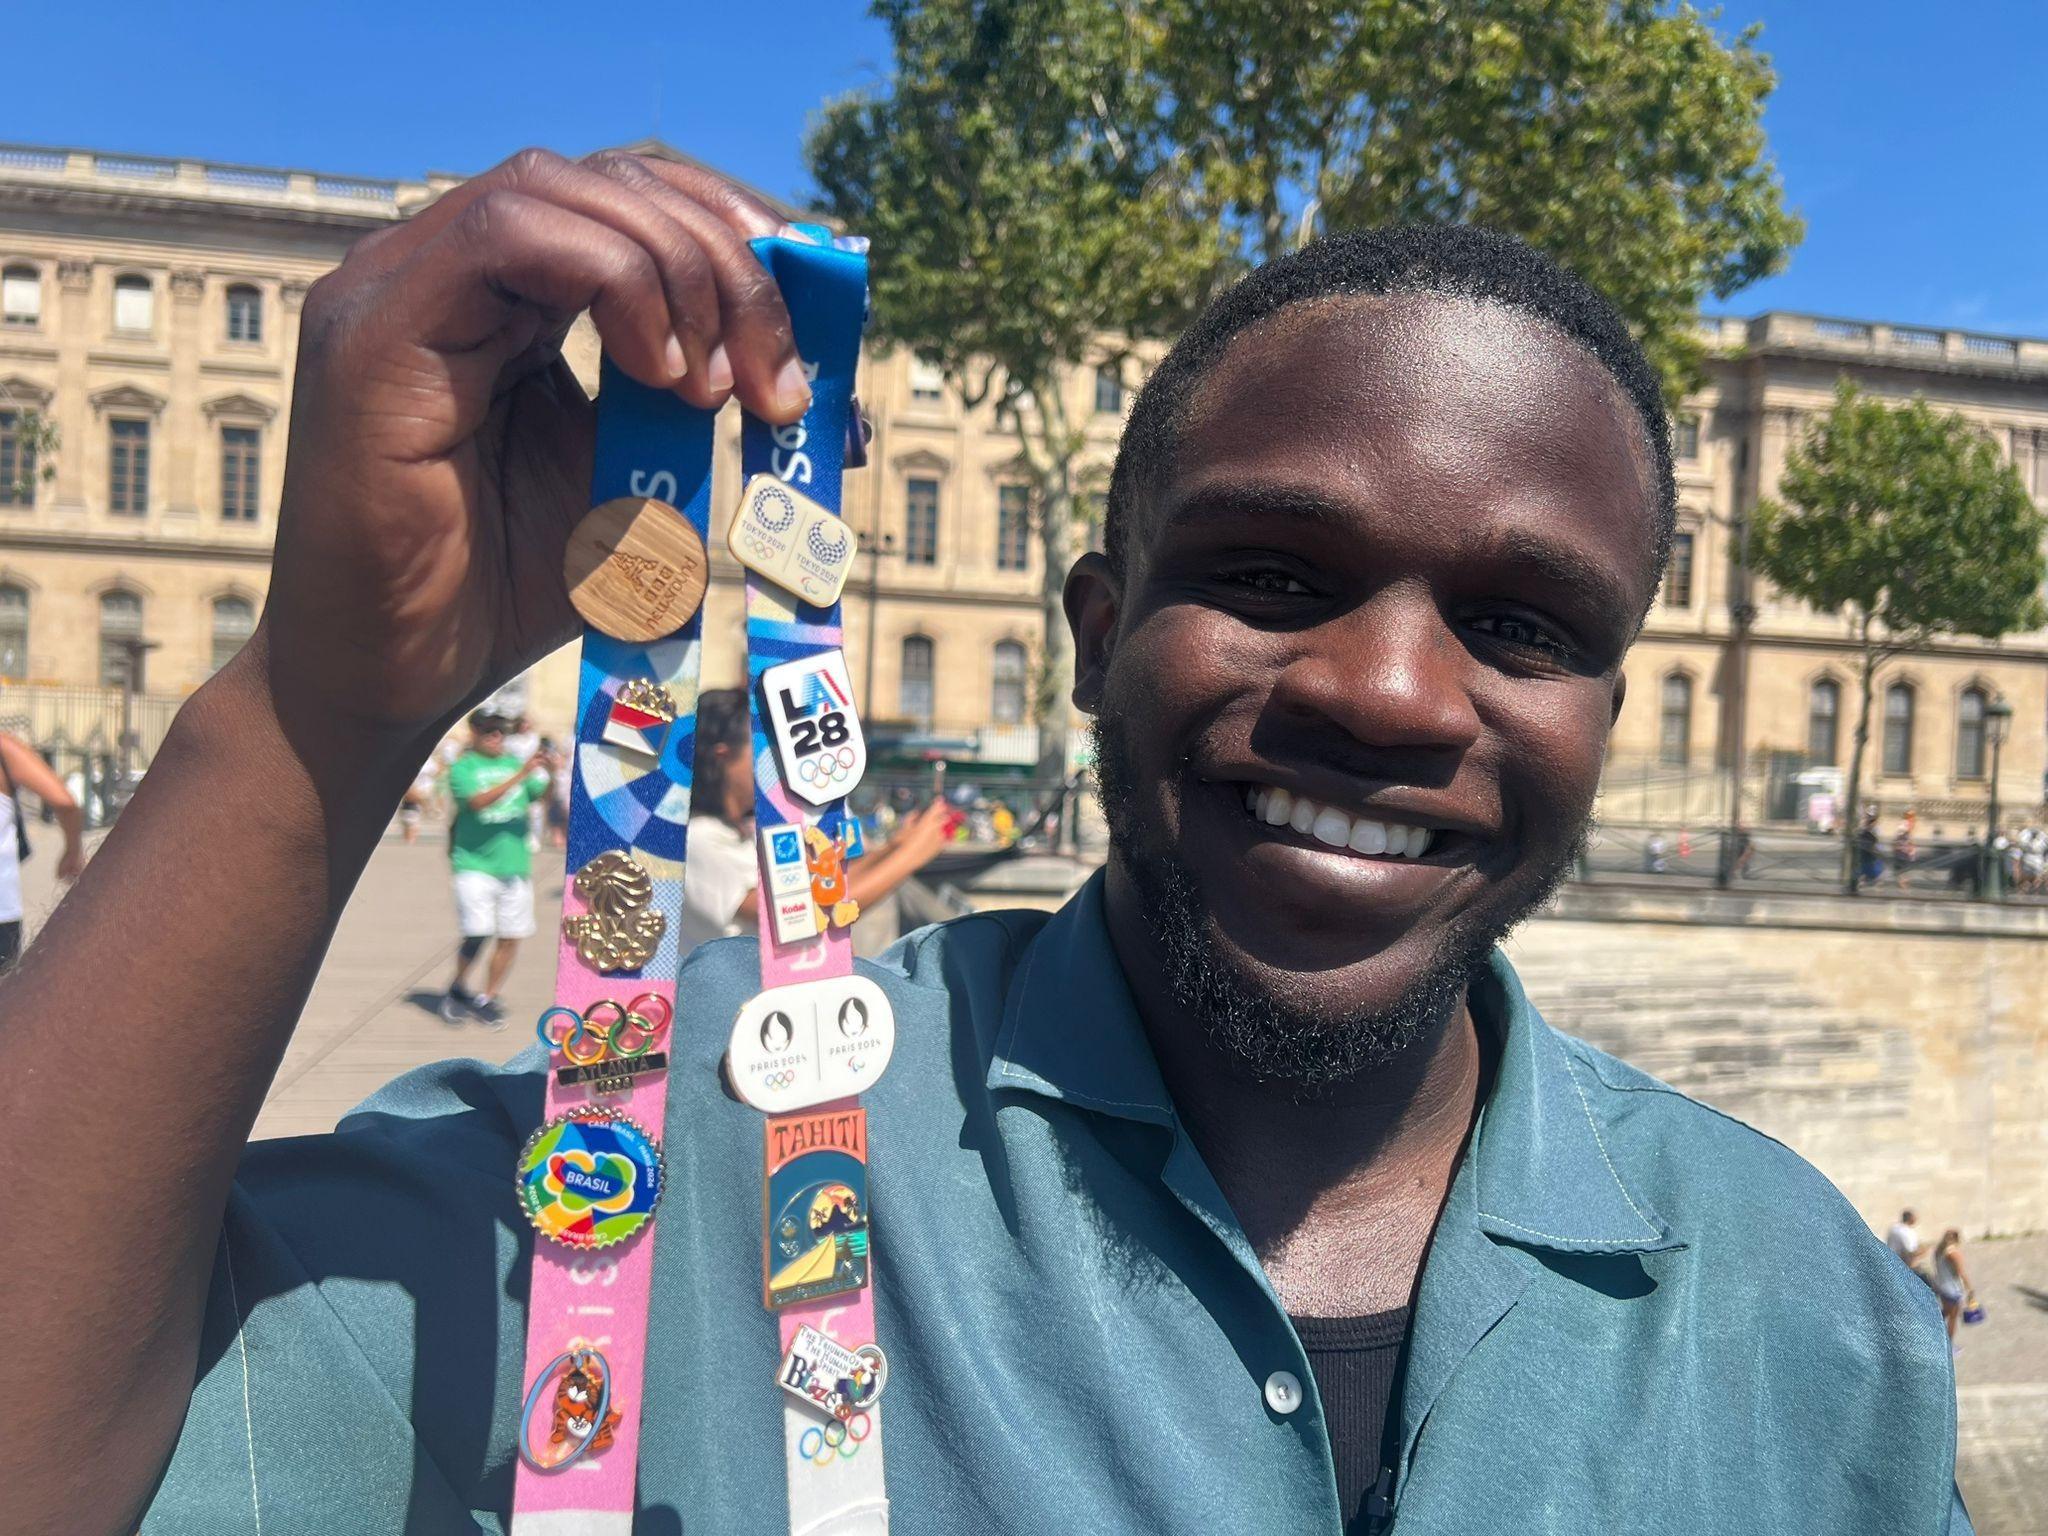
(672, 354)
(792, 389)
(718, 370)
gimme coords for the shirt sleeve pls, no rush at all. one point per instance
(722, 872)
(1958, 1517)
(462, 779)
(363, 1341)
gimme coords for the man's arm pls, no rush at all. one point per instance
(439, 455)
(31, 773)
(484, 798)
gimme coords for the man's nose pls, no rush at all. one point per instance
(1390, 672)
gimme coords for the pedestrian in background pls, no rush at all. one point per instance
(1904, 1240)
(1952, 1281)
(22, 767)
(492, 790)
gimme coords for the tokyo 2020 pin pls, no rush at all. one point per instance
(817, 735)
(782, 535)
(590, 1178)
(810, 1043)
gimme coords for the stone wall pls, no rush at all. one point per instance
(1901, 1047)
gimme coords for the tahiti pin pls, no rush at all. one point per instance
(788, 874)
(810, 1043)
(830, 891)
(609, 1045)
(590, 1178)
(781, 534)
(816, 1206)
(636, 569)
(640, 717)
(827, 1375)
(817, 734)
(581, 1418)
(620, 928)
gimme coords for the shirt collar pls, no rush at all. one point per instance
(1544, 1174)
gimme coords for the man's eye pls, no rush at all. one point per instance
(1267, 583)
(1511, 629)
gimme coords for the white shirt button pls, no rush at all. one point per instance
(1283, 1392)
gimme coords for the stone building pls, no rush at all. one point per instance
(149, 309)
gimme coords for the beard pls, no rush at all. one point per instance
(1272, 1037)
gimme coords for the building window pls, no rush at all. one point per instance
(1013, 528)
(927, 382)
(921, 522)
(1823, 719)
(1970, 733)
(1678, 574)
(1006, 701)
(128, 467)
(245, 313)
(134, 304)
(13, 632)
(1898, 728)
(1685, 438)
(17, 462)
(234, 620)
(1109, 391)
(240, 461)
(914, 679)
(120, 623)
(21, 297)
(1674, 736)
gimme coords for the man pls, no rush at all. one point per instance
(491, 853)
(1247, 1193)
(1904, 1240)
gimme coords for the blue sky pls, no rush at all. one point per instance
(1906, 132)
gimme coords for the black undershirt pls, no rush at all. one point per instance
(1354, 1360)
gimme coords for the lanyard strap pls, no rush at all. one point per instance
(834, 1465)
(629, 807)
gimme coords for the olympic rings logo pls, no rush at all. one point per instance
(817, 1445)
(827, 767)
(776, 1081)
(607, 1031)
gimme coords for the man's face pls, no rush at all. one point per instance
(1392, 573)
(490, 739)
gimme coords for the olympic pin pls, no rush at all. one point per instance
(788, 874)
(796, 1046)
(640, 717)
(816, 1206)
(782, 535)
(590, 1178)
(817, 735)
(609, 1045)
(581, 1415)
(824, 1373)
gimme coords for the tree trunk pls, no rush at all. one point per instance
(1050, 452)
(1852, 801)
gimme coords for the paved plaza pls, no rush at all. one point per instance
(371, 1016)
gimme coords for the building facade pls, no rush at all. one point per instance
(149, 311)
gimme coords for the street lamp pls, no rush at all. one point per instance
(1997, 720)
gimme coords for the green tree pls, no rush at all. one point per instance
(1048, 181)
(33, 461)
(1017, 232)
(1907, 523)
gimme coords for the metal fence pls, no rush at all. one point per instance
(1766, 859)
(98, 740)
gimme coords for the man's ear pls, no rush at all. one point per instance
(1620, 693)
(1093, 601)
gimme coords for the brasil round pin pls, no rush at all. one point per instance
(590, 1178)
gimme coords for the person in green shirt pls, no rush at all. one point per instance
(492, 860)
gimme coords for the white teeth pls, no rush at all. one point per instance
(1368, 837)
(1278, 804)
(1419, 839)
(1376, 839)
(1304, 816)
(1332, 827)
(1253, 795)
(1397, 841)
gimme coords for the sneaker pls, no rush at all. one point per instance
(487, 1011)
(457, 1005)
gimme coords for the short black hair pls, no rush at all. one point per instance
(1457, 260)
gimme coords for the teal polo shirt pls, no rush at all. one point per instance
(1637, 1315)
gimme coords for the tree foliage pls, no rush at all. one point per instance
(34, 459)
(1908, 523)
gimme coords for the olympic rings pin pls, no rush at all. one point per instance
(610, 1043)
(581, 1417)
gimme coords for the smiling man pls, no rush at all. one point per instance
(1247, 1193)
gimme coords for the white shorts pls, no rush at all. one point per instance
(491, 908)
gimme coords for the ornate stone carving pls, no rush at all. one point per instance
(187, 283)
(291, 293)
(75, 276)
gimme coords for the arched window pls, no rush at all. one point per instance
(120, 623)
(234, 620)
(1674, 734)
(1898, 728)
(1823, 721)
(13, 631)
(1006, 702)
(245, 313)
(134, 303)
(21, 297)
(1970, 733)
(914, 679)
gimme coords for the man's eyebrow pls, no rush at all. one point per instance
(1563, 567)
(1216, 503)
